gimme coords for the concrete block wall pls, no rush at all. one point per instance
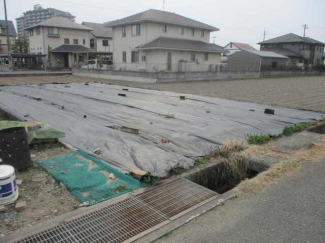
(162, 77)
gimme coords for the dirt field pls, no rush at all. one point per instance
(297, 92)
(45, 198)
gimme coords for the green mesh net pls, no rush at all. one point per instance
(87, 178)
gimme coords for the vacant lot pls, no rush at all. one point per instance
(298, 92)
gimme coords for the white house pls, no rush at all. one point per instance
(157, 40)
(233, 47)
(102, 38)
(65, 42)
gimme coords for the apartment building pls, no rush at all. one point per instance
(65, 42)
(37, 15)
(156, 40)
(299, 49)
(3, 35)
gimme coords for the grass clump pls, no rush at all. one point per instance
(177, 170)
(258, 139)
(149, 179)
(289, 130)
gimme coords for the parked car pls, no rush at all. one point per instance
(97, 64)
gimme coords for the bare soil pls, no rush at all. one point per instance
(45, 198)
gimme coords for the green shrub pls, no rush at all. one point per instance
(291, 129)
(258, 139)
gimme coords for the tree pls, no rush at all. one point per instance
(21, 46)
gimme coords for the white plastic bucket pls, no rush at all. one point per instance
(8, 186)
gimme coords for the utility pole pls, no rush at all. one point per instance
(164, 1)
(214, 39)
(305, 28)
(7, 30)
(264, 35)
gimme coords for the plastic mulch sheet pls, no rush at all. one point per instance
(87, 178)
(169, 131)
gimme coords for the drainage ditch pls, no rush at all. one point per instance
(318, 129)
(227, 174)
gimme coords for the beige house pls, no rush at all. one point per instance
(101, 40)
(157, 40)
(65, 42)
(233, 47)
(3, 36)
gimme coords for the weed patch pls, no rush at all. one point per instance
(149, 179)
(289, 130)
(258, 139)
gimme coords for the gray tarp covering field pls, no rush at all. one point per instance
(199, 123)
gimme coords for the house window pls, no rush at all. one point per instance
(206, 56)
(53, 31)
(192, 32)
(83, 41)
(31, 32)
(0, 29)
(135, 56)
(230, 45)
(202, 33)
(0, 41)
(66, 41)
(193, 58)
(38, 31)
(274, 64)
(136, 30)
(105, 42)
(182, 29)
(124, 56)
(143, 58)
(123, 31)
(164, 28)
(75, 41)
(92, 43)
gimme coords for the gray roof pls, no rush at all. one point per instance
(159, 16)
(99, 30)
(72, 49)
(285, 52)
(266, 54)
(11, 28)
(291, 38)
(60, 22)
(181, 44)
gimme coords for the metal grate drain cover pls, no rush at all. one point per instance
(126, 219)
(176, 197)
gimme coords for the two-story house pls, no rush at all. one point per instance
(65, 42)
(233, 47)
(157, 40)
(299, 49)
(3, 36)
(102, 38)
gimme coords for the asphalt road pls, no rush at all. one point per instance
(291, 211)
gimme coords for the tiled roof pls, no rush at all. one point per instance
(72, 49)
(159, 16)
(285, 52)
(99, 30)
(60, 22)
(181, 44)
(11, 28)
(290, 38)
(244, 46)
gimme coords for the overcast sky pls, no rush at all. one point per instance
(238, 20)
